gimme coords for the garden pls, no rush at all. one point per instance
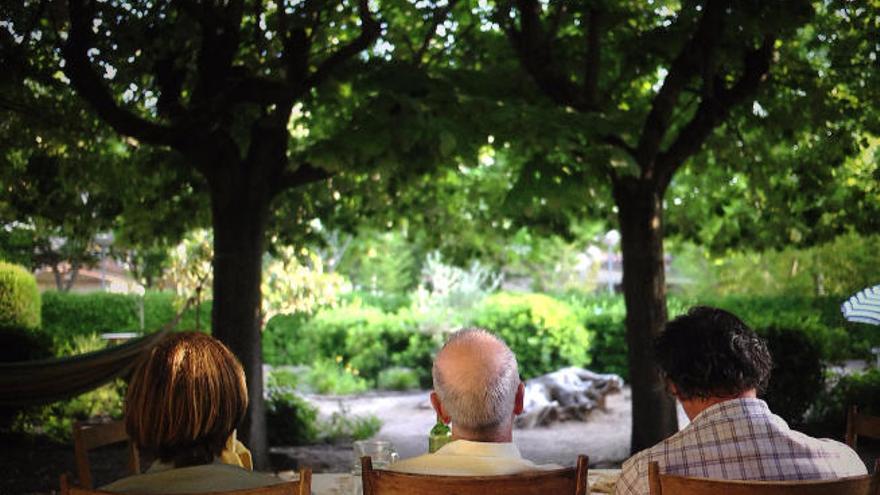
(357, 340)
(331, 191)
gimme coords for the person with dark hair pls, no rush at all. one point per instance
(184, 403)
(716, 366)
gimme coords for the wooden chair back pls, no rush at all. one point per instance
(568, 481)
(858, 424)
(303, 486)
(89, 435)
(669, 484)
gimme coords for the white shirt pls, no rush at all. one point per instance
(467, 458)
(741, 439)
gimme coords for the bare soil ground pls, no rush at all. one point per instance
(407, 418)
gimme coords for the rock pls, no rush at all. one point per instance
(567, 394)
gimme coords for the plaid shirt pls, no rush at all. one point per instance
(740, 439)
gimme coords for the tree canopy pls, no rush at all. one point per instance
(461, 119)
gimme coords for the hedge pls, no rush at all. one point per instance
(818, 318)
(545, 334)
(19, 298)
(66, 315)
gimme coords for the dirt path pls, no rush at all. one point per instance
(407, 418)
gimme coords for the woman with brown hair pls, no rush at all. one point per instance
(184, 403)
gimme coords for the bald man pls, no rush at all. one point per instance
(476, 388)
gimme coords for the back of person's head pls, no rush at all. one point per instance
(476, 379)
(709, 352)
(186, 399)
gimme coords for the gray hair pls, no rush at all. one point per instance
(486, 402)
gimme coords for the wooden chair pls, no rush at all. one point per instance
(569, 481)
(303, 486)
(669, 484)
(860, 424)
(89, 435)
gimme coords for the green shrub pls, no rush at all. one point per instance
(69, 315)
(161, 307)
(290, 419)
(331, 377)
(283, 378)
(56, 419)
(398, 378)
(19, 298)
(798, 373)
(818, 318)
(362, 338)
(344, 428)
(66, 315)
(828, 414)
(544, 333)
(606, 318)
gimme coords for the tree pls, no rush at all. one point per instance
(256, 100)
(652, 85)
(225, 78)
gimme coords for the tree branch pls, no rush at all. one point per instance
(593, 59)
(534, 47)
(370, 31)
(686, 65)
(438, 17)
(221, 30)
(618, 142)
(305, 174)
(90, 86)
(714, 108)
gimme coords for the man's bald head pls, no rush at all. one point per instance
(476, 379)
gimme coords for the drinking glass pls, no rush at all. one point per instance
(381, 452)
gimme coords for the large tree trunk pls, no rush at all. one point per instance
(240, 208)
(640, 213)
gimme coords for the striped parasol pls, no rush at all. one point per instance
(863, 306)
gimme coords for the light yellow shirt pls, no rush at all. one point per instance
(467, 458)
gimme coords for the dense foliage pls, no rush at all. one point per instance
(858, 389)
(56, 419)
(797, 377)
(19, 298)
(67, 315)
(544, 333)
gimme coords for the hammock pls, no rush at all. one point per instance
(31, 383)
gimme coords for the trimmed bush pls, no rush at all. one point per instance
(362, 339)
(69, 315)
(19, 298)
(544, 333)
(66, 315)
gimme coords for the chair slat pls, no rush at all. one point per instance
(303, 486)
(89, 436)
(669, 484)
(860, 424)
(572, 481)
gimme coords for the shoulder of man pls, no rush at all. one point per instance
(634, 475)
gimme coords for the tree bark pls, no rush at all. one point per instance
(240, 209)
(640, 214)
